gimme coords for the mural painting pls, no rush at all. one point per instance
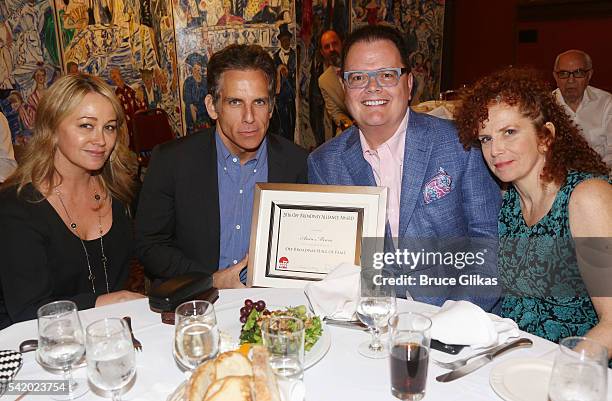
(203, 27)
(29, 61)
(423, 23)
(129, 43)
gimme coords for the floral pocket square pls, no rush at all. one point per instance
(437, 187)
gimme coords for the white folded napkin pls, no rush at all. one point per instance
(463, 323)
(336, 296)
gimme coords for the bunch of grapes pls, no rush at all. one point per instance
(249, 305)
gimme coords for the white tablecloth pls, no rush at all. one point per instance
(342, 374)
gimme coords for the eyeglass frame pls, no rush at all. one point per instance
(573, 73)
(399, 70)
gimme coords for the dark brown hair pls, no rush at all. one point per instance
(240, 57)
(375, 33)
(526, 89)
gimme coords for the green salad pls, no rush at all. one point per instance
(251, 330)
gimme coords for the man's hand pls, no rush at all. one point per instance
(230, 277)
(116, 297)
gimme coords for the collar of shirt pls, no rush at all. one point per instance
(224, 155)
(587, 97)
(395, 145)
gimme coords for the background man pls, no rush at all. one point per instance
(436, 188)
(336, 116)
(589, 107)
(196, 202)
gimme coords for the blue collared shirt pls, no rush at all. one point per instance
(236, 189)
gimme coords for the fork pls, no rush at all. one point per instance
(463, 361)
(137, 344)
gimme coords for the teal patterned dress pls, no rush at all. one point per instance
(543, 291)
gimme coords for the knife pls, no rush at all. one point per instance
(482, 360)
(348, 324)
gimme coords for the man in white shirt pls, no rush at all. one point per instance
(7, 157)
(589, 107)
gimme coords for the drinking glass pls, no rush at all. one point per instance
(196, 336)
(283, 337)
(376, 304)
(409, 338)
(61, 343)
(110, 355)
(580, 371)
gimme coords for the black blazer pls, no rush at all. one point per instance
(177, 220)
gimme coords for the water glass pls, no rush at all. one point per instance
(283, 336)
(409, 339)
(61, 343)
(196, 335)
(580, 371)
(111, 362)
(376, 305)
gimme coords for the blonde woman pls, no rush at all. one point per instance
(66, 231)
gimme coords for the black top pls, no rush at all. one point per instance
(177, 222)
(42, 260)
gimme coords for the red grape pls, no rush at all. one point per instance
(248, 303)
(243, 319)
(260, 305)
(244, 311)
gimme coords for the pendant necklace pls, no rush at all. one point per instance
(74, 227)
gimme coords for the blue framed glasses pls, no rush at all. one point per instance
(384, 77)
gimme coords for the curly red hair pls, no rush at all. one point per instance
(525, 88)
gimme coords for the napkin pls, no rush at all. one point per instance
(336, 296)
(463, 323)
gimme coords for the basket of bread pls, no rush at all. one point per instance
(231, 376)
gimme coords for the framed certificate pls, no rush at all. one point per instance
(300, 232)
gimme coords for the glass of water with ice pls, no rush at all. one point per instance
(111, 362)
(61, 343)
(196, 335)
(580, 371)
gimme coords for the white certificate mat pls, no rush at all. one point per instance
(300, 232)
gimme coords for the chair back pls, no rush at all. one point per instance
(149, 128)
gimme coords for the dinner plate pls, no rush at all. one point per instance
(522, 379)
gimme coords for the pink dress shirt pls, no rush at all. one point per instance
(387, 163)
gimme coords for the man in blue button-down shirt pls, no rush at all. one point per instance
(196, 202)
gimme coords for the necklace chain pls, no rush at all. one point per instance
(74, 227)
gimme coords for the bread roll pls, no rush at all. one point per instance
(233, 377)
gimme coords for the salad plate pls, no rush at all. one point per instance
(228, 321)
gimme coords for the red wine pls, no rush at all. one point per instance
(408, 370)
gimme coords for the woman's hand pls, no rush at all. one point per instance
(117, 297)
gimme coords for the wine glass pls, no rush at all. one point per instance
(61, 343)
(376, 305)
(111, 363)
(580, 371)
(196, 336)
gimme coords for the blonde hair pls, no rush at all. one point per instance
(58, 102)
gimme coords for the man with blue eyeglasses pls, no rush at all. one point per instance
(437, 189)
(589, 107)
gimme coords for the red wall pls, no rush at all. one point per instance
(483, 39)
(486, 38)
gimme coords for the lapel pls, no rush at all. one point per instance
(357, 166)
(208, 173)
(417, 151)
(276, 161)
